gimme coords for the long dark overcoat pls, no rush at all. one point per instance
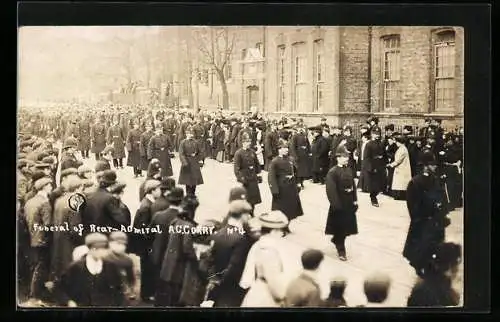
(375, 166)
(134, 148)
(160, 147)
(283, 184)
(341, 193)
(300, 150)
(84, 135)
(246, 168)
(423, 196)
(98, 137)
(116, 136)
(190, 156)
(319, 150)
(143, 147)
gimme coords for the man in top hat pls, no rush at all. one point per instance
(320, 161)
(428, 214)
(92, 281)
(191, 159)
(300, 150)
(68, 159)
(375, 165)
(116, 137)
(246, 170)
(98, 136)
(160, 147)
(283, 183)
(342, 195)
(133, 145)
(101, 208)
(38, 214)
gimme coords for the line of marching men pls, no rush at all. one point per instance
(103, 210)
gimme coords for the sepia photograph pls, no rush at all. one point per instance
(240, 166)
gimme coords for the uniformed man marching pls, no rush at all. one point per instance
(341, 193)
(143, 146)
(160, 147)
(133, 145)
(116, 138)
(246, 170)
(191, 157)
(375, 165)
(98, 137)
(283, 184)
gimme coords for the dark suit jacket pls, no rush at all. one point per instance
(160, 241)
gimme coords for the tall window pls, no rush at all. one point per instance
(391, 71)
(299, 62)
(228, 69)
(260, 47)
(281, 78)
(319, 75)
(444, 70)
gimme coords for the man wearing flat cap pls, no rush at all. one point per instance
(91, 281)
(38, 213)
(247, 169)
(428, 214)
(68, 159)
(141, 244)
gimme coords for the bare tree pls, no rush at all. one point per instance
(215, 45)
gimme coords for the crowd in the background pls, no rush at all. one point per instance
(76, 254)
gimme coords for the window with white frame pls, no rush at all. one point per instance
(444, 70)
(319, 75)
(281, 77)
(299, 62)
(391, 71)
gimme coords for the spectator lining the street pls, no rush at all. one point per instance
(376, 287)
(304, 291)
(336, 296)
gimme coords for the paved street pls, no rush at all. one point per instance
(377, 247)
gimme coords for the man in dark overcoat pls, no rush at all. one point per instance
(390, 149)
(342, 195)
(271, 140)
(320, 161)
(335, 141)
(350, 144)
(375, 165)
(101, 208)
(428, 214)
(143, 146)
(68, 159)
(117, 138)
(283, 184)
(300, 149)
(84, 137)
(246, 170)
(134, 149)
(190, 156)
(98, 137)
(161, 148)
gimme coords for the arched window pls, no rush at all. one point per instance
(444, 70)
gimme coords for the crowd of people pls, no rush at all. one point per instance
(76, 233)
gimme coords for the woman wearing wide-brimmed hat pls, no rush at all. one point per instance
(267, 269)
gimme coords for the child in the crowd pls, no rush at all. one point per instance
(376, 288)
(117, 255)
(336, 296)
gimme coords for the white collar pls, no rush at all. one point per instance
(235, 223)
(150, 198)
(94, 266)
(178, 208)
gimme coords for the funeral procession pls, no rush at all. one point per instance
(240, 166)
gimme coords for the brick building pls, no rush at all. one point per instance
(401, 74)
